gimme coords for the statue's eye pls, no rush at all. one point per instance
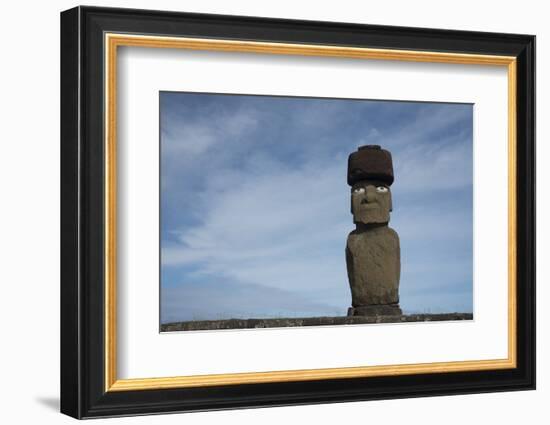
(359, 190)
(381, 189)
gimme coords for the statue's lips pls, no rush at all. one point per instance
(368, 206)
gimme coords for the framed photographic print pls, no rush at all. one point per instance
(261, 212)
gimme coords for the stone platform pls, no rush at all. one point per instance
(208, 325)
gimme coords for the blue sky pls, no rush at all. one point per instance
(255, 209)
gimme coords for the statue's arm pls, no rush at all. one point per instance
(349, 265)
(397, 263)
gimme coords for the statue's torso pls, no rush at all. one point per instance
(373, 262)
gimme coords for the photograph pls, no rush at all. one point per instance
(274, 211)
(281, 211)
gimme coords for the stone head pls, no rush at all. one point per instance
(370, 175)
(371, 202)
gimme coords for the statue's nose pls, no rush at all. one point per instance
(371, 194)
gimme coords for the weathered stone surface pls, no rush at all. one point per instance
(370, 162)
(370, 202)
(375, 310)
(373, 255)
(208, 325)
(374, 265)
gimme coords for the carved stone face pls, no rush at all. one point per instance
(370, 202)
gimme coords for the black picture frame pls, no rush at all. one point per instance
(83, 393)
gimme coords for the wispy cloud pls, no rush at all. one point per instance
(211, 301)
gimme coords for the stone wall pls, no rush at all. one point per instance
(198, 325)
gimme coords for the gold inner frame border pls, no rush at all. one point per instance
(113, 40)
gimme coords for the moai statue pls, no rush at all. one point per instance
(372, 251)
